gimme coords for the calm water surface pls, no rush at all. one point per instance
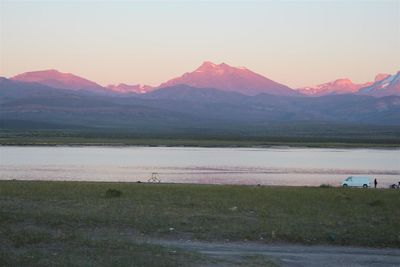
(269, 166)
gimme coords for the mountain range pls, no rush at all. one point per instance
(222, 77)
(56, 79)
(389, 85)
(346, 86)
(213, 99)
(227, 78)
(126, 88)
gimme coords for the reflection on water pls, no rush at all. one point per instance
(271, 166)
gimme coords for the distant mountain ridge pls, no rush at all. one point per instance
(389, 85)
(126, 88)
(56, 79)
(221, 77)
(339, 86)
(343, 86)
(184, 108)
(228, 78)
(30, 101)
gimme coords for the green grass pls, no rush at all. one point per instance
(363, 137)
(79, 224)
(267, 142)
(100, 253)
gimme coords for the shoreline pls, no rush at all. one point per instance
(180, 184)
(206, 145)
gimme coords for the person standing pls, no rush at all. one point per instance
(375, 182)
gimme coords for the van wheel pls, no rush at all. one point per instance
(345, 185)
(365, 186)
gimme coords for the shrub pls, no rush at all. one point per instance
(325, 186)
(376, 203)
(113, 193)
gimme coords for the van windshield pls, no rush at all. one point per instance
(348, 179)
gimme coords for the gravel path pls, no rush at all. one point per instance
(294, 255)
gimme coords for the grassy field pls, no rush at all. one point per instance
(79, 223)
(355, 138)
(99, 141)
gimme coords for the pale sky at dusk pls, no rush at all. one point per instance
(295, 43)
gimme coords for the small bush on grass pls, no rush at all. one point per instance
(325, 186)
(377, 203)
(111, 193)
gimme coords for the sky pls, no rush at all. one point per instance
(297, 43)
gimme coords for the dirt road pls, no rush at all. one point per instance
(293, 255)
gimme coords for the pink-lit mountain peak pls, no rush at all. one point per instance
(342, 81)
(37, 76)
(340, 86)
(57, 79)
(126, 88)
(381, 76)
(209, 66)
(389, 85)
(228, 78)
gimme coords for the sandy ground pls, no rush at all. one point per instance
(293, 255)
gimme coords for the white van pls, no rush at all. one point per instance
(356, 181)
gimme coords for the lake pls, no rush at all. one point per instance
(267, 166)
